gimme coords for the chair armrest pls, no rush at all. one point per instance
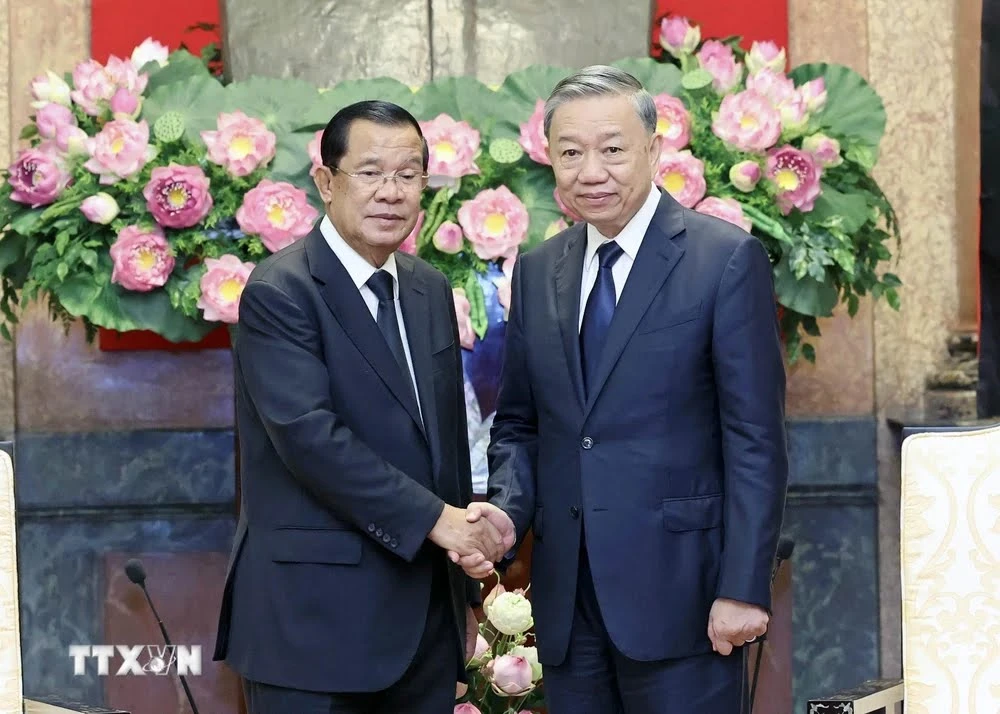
(57, 705)
(875, 695)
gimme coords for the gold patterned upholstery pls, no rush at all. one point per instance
(950, 558)
(10, 639)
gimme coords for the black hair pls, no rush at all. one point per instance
(333, 146)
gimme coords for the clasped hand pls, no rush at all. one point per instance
(475, 538)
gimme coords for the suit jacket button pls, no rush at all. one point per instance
(574, 511)
(371, 527)
(394, 543)
(386, 538)
(587, 442)
(378, 533)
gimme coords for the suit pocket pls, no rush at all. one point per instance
(315, 545)
(693, 514)
(672, 319)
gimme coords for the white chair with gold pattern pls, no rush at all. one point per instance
(950, 562)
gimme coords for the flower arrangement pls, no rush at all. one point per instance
(504, 674)
(148, 189)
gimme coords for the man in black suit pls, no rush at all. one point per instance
(640, 425)
(355, 467)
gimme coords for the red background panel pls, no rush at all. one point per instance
(756, 20)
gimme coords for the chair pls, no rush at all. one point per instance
(11, 687)
(950, 563)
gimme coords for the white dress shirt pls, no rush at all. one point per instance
(360, 271)
(629, 239)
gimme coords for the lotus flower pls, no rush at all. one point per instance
(745, 175)
(178, 196)
(37, 178)
(825, 149)
(678, 36)
(142, 259)
(221, 288)
(453, 146)
(49, 88)
(727, 209)
(278, 212)
(53, 117)
(718, 60)
(120, 150)
(765, 55)
(683, 176)
(796, 177)
(241, 144)
(448, 238)
(747, 121)
(533, 139)
(150, 51)
(409, 244)
(463, 311)
(495, 222)
(673, 122)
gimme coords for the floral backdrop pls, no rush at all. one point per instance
(148, 188)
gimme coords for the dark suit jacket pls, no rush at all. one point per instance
(330, 578)
(676, 463)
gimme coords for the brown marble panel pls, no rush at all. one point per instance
(833, 31)
(186, 589)
(65, 384)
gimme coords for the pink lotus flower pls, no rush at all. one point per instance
(727, 209)
(567, 211)
(533, 139)
(120, 150)
(142, 259)
(178, 196)
(315, 152)
(467, 708)
(126, 75)
(678, 36)
(150, 51)
(765, 55)
(51, 118)
(221, 288)
(776, 87)
(240, 145)
(409, 245)
(448, 238)
(747, 121)
(495, 222)
(796, 177)
(824, 149)
(555, 228)
(49, 87)
(683, 176)
(37, 178)
(100, 208)
(453, 146)
(673, 122)
(482, 647)
(278, 212)
(125, 105)
(745, 175)
(72, 140)
(814, 94)
(511, 675)
(93, 86)
(463, 311)
(718, 60)
(794, 115)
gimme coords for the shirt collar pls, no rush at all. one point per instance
(630, 237)
(357, 267)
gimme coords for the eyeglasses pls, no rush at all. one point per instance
(407, 179)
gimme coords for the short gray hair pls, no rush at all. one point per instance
(599, 81)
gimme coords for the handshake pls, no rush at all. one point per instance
(475, 538)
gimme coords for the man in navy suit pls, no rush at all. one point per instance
(640, 427)
(355, 466)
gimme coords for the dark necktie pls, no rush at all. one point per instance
(600, 309)
(380, 283)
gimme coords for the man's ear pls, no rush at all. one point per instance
(323, 178)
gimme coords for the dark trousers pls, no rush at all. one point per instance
(595, 678)
(427, 686)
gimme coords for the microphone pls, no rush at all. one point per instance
(783, 553)
(137, 574)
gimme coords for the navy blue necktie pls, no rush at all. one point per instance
(600, 309)
(380, 283)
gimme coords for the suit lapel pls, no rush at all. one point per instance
(568, 279)
(657, 257)
(350, 310)
(417, 317)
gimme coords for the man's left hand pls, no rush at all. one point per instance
(733, 624)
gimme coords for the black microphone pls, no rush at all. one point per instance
(137, 574)
(783, 553)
